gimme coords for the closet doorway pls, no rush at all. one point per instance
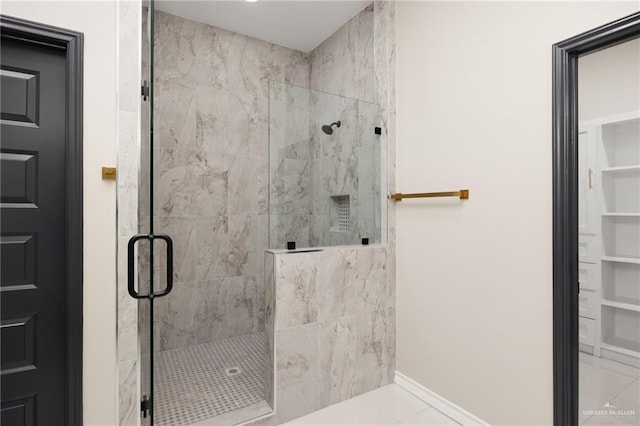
(597, 226)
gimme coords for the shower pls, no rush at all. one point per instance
(328, 129)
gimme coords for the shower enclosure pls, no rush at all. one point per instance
(242, 150)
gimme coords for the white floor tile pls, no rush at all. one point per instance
(619, 368)
(590, 400)
(384, 406)
(618, 412)
(596, 376)
(631, 393)
(428, 417)
(607, 364)
(605, 384)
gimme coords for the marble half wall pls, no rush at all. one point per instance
(333, 319)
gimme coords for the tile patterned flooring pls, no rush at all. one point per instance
(609, 392)
(192, 385)
(388, 405)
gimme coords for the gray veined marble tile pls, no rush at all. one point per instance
(243, 185)
(296, 228)
(212, 243)
(245, 305)
(209, 68)
(297, 290)
(174, 317)
(277, 186)
(262, 243)
(127, 310)
(242, 256)
(212, 108)
(247, 126)
(128, 395)
(210, 316)
(296, 400)
(296, 187)
(269, 290)
(183, 232)
(175, 112)
(336, 283)
(297, 123)
(297, 278)
(376, 350)
(340, 174)
(189, 183)
(300, 150)
(297, 355)
(175, 55)
(372, 287)
(262, 203)
(337, 360)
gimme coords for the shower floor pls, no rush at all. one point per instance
(192, 385)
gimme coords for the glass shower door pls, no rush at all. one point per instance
(149, 253)
(202, 352)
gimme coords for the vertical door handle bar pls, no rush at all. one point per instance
(131, 261)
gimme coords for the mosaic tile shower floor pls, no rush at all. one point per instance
(193, 386)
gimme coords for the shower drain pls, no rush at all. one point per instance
(233, 371)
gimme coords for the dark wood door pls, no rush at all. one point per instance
(33, 234)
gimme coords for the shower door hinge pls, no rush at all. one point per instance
(144, 406)
(377, 130)
(144, 90)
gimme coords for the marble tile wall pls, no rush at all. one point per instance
(343, 64)
(129, 21)
(211, 174)
(333, 314)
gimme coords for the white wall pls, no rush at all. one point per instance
(609, 82)
(474, 278)
(97, 20)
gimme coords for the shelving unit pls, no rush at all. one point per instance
(618, 158)
(588, 247)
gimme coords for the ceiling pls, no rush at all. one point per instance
(301, 24)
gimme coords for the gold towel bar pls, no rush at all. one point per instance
(463, 194)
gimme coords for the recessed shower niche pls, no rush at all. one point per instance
(340, 213)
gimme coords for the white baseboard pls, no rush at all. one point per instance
(441, 404)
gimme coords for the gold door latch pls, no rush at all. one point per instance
(108, 173)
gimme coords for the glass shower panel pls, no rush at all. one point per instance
(202, 346)
(324, 169)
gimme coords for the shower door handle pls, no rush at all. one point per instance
(131, 265)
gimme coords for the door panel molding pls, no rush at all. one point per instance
(72, 43)
(565, 206)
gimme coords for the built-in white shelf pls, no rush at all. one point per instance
(622, 169)
(621, 305)
(623, 346)
(618, 201)
(621, 214)
(621, 259)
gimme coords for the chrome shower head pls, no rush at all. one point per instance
(328, 129)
